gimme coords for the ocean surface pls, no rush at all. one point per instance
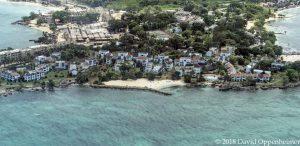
(17, 36)
(290, 27)
(191, 117)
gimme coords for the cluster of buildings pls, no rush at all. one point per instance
(192, 64)
(38, 73)
(250, 72)
(15, 54)
(42, 66)
(184, 16)
(96, 32)
(280, 3)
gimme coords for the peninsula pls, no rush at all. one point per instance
(152, 44)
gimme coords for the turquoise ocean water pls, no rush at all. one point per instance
(290, 27)
(16, 36)
(97, 117)
(191, 117)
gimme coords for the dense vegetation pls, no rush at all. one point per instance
(135, 4)
(83, 18)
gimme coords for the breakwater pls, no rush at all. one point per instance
(131, 88)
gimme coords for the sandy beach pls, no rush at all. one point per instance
(35, 4)
(290, 58)
(60, 37)
(42, 27)
(276, 16)
(144, 83)
(250, 24)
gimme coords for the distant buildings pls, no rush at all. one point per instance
(92, 33)
(160, 35)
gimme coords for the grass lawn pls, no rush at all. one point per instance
(277, 79)
(123, 4)
(56, 76)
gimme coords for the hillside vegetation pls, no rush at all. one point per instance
(124, 4)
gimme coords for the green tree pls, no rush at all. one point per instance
(43, 85)
(63, 16)
(296, 66)
(150, 76)
(187, 78)
(293, 75)
(51, 85)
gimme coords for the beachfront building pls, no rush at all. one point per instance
(122, 55)
(103, 53)
(258, 75)
(179, 69)
(142, 60)
(60, 65)
(183, 61)
(195, 58)
(46, 17)
(10, 75)
(33, 75)
(169, 64)
(91, 62)
(43, 68)
(143, 54)
(239, 77)
(226, 52)
(277, 65)
(148, 67)
(73, 70)
(188, 70)
(162, 58)
(157, 69)
(248, 69)
(40, 59)
(213, 51)
(56, 55)
(258, 71)
(108, 60)
(197, 69)
(118, 64)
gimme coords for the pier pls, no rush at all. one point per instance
(131, 88)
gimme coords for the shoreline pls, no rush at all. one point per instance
(34, 4)
(223, 87)
(275, 17)
(286, 56)
(290, 57)
(44, 27)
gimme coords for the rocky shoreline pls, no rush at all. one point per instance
(220, 86)
(232, 87)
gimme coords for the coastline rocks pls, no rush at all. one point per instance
(236, 87)
(19, 22)
(6, 93)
